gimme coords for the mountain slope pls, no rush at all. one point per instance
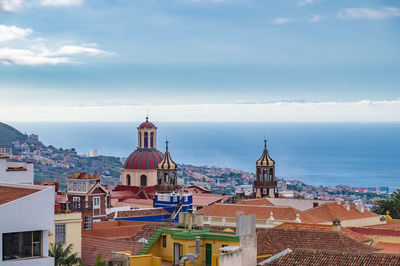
(8, 134)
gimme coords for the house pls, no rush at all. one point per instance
(15, 172)
(27, 216)
(87, 195)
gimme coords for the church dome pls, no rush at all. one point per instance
(167, 163)
(147, 124)
(265, 159)
(143, 159)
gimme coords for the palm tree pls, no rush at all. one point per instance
(392, 205)
(63, 256)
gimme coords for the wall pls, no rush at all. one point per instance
(16, 177)
(73, 235)
(231, 222)
(300, 204)
(359, 222)
(30, 213)
(136, 174)
(231, 259)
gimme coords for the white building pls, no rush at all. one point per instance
(15, 172)
(27, 215)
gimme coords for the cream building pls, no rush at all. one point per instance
(67, 230)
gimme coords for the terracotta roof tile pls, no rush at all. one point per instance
(8, 194)
(304, 257)
(330, 211)
(148, 230)
(388, 248)
(138, 213)
(261, 212)
(395, 225)
(323, 227)
(91, 246)
(273, 241)
(261, 201)
(83, 175)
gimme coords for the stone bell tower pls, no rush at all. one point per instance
(265, 183)
(166, 173)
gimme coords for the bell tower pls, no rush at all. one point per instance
(265, 183)
(166, 173)
(147, 135)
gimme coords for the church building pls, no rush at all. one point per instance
(265, 184)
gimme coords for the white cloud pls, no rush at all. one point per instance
(280, 21)
(365, 110)
(315, 18)
(10, 5)
(305, 2)
(28, 57)
(41, 52)
(61, 2)
(9, 33)
(369, 13)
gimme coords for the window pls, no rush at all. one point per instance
(143, 180)
(140, 140)
(96, 202)
(128, 180)
(87, 223)
(151, 140)
(22, 245)
(146, 140)
(60, 233)
(164, 241)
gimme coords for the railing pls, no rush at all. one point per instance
(77, 206)
(265, 184)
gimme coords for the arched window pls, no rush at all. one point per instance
(140, 139)
(166, 181)
(146, 139)
(151, 140)
(143, 180)
(258, 174)
(265, 175)
(271, 174)
(128, 180)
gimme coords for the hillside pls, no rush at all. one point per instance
(8, 134)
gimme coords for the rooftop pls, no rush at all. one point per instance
(306, 257)
(10, 193)
(388, 248)
(273, 241)
(331, 211)
(261, 212)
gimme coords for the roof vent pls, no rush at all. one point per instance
(271, 216)
(298, 218)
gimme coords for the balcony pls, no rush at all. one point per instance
(77, 206)
(266, 184)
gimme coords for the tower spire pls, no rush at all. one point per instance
(166, 144)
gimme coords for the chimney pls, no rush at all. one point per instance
(298, 218)
(346, 205)
(336, 225)
(271, 216)
(338, 202)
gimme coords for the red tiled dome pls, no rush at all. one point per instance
(143, 159)
(147, 124)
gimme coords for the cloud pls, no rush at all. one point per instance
(368, 13)
(315, 18)
(10, 5)
(280, 21)
(305, 2)
(9, 33)
(41, 52)
(365, 110)
(61, 2)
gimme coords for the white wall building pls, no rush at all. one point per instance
(15, 172)
(27, 215)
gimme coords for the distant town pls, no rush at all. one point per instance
(56, 164)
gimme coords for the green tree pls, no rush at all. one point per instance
(392, 205)
(63, 256)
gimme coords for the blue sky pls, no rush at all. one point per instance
(118, 60)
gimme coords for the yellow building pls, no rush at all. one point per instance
(67, 231)
(172, 244)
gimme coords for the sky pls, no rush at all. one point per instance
(200, 60)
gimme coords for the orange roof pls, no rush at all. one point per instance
(8, 194)
(261, 201)
(205, 201)
(388, 248)
(83, 175)
(261, 212)
(331, 211)
(323, 227)
(395, 225)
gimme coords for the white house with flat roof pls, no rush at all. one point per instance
(15, 172)
(27, 215)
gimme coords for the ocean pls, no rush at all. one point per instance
(328, 154)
